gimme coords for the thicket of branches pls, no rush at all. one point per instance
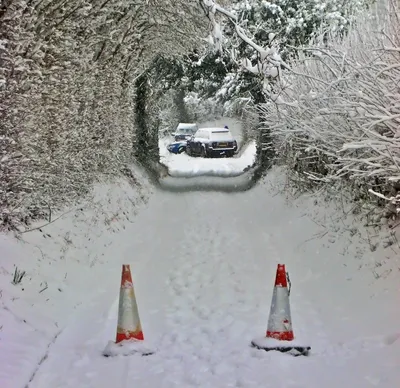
(254, 41)
(335, 119)
(67, 72)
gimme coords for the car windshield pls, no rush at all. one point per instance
(221, 135)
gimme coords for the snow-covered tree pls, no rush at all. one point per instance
(260, 35)
(336, 120)
(282, 23)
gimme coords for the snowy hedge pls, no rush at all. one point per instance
(335, 120)
(67, 73)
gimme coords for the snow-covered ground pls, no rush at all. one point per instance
(63, 262)
(184, 165)
(227, 184)
(203, 266)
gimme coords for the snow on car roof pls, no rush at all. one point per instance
(186, 125)
(215, 130)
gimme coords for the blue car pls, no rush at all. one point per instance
(177, 147)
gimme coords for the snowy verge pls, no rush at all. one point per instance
(59, 259)
(346, 259)
(183, 165)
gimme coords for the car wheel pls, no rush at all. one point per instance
(181, 149)
(188, 151)
(203, 153)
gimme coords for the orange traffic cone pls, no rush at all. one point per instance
(130, 339)
(129, 326)
(279, 334)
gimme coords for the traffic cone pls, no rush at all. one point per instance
(129, 326)
(279, 334)
(130, 339)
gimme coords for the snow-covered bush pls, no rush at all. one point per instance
(202, 109)
(67, 95)
(335, 120)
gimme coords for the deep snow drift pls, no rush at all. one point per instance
(203, 266)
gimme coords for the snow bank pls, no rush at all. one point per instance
(59, 259)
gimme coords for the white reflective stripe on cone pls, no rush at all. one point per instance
(128, 314)
(280, 319)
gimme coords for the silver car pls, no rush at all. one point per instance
(184, 131)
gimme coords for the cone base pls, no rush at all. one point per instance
(127, 348)
(112, 355)
(295, 347)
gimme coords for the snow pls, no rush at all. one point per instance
(128, 348)
(183, 165)
(61, 261)
(228, 184)
(271, 342)
(203, 265)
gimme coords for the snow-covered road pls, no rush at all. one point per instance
(203, 274)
